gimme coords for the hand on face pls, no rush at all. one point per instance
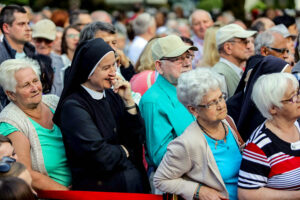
(122, 58)
(122, 88)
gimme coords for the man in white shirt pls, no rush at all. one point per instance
(144, 27)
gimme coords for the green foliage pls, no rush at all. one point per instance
(210, 4)
(19, 2)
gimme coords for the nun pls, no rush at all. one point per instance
(102, 128)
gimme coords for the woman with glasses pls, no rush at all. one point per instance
(102, 127)
(271, 159)
(203, 162)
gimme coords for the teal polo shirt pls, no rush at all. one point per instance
(165, 118)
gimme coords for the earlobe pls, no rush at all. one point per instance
(158, 67)
(193, 111)
(11, 95)
(272, 110)
(5, 28)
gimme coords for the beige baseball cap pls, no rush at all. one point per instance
(229, 31)
(170, 46)
(44, 28)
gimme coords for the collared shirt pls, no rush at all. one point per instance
(165, 118)
(137, 46)
(235, 68)
(94, 94)
(198, 54)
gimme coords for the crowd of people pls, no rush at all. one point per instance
(197, 107)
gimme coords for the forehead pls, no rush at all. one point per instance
(279, 41)
(85, 18)
(200, 16)
(22, 75)
(72, 30)
(20, 17)
(105, 35)
(6, 149)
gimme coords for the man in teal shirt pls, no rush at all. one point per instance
(165, 117)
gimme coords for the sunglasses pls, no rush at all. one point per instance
(283, 50)
(5, 164)
(40, 40)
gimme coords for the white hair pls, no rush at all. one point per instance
(198, 11)
(266, 94)
(142, 23)
(194, 85)
(8, 69)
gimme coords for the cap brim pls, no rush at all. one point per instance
(43, 36)
(244, 34)
(180, 51)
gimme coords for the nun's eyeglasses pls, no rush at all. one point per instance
(5, 164)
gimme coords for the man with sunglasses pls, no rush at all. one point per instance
(233, 48)
(44, 34)
(165, 117)
(14, 24)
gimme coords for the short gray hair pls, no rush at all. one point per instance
(265, 93)
(142, 23)
(8, 69)
(194, 85)
(263, 39)
(198, 11)
(89, 31)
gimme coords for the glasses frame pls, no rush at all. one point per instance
(181, 58)
(243, 41)
(293, 99)
(282, 51)
(214, 102)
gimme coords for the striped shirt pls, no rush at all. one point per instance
(269, 162)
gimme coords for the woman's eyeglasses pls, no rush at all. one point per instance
(293, 99)
(5, 164)
(214, 103)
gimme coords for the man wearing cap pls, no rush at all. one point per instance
(233, 48)
(14, 24)
(165, 117)
(44, 34)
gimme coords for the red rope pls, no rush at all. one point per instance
(96, 195)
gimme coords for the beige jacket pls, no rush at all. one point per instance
(188, 162)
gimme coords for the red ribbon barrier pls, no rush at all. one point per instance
(96, 195)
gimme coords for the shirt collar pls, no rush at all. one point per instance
(235, 68)
(94, 94)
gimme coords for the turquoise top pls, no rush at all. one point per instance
(228, 158)
(165, 118)
(53, 150)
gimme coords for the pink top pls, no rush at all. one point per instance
(142, 81)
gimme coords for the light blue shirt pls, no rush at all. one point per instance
(228, 158)
(165, 118)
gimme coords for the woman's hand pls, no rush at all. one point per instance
(123, 88)
(207, 193)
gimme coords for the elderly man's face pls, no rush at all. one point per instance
(43, 46)
(240, 49)
(171, 68)
(279, 47)
(83, 19)
(200, 22)
(109, 38)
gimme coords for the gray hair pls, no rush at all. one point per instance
(265, 93)
(264, 39)
(194, 85)
(89, 31)
(8, 69)
(142, 23)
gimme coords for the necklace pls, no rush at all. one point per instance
(203, 129)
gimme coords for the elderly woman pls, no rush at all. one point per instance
(102, 128)
(203, 162)
(270, 167)
(27, 122)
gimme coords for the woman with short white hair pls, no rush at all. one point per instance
(203, 162)
(270, 167)
(27, 122)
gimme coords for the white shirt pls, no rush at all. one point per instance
(137, 46)
(235, 68)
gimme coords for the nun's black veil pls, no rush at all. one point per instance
(87, 55)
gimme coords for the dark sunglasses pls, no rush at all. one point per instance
(283, 50)
(40, 40)
(5, 164)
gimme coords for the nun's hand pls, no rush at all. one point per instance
(122, 88)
